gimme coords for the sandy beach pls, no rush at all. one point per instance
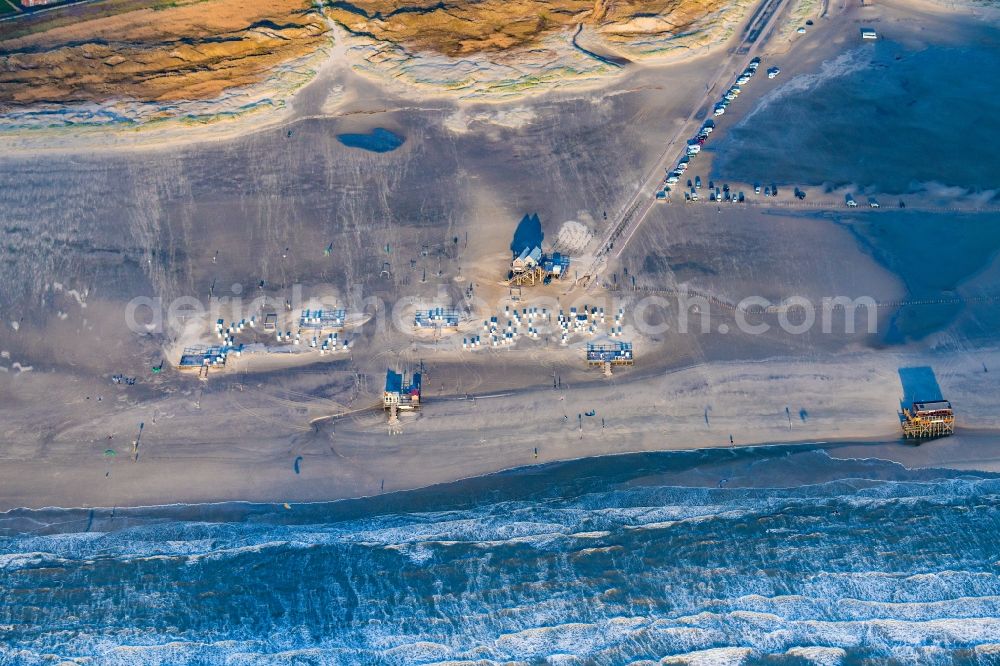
(88, 227)
(253, 455)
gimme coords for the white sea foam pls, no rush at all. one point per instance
(10, 561)
(820, 656)
(512, 582)
(727, 656)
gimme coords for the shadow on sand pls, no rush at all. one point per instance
(919, 385)
(528, 234)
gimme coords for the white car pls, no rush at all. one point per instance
(773, 72)
(682, 167)
(720, 110)
(851, 203)
(873, 203)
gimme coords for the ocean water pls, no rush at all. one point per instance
(775, 555)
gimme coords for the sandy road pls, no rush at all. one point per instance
(42, 10)
(754, 36)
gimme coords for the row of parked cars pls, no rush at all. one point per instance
(872, 202)
(715, 193)
(737, 88)
(695, 144)
(693, 148)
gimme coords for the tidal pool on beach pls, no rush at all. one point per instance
(880, 117)
(936, 255)
(379, 140)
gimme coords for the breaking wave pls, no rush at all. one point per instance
(609, 562)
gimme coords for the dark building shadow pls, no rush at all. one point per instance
(919, 384)
(528, 234)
